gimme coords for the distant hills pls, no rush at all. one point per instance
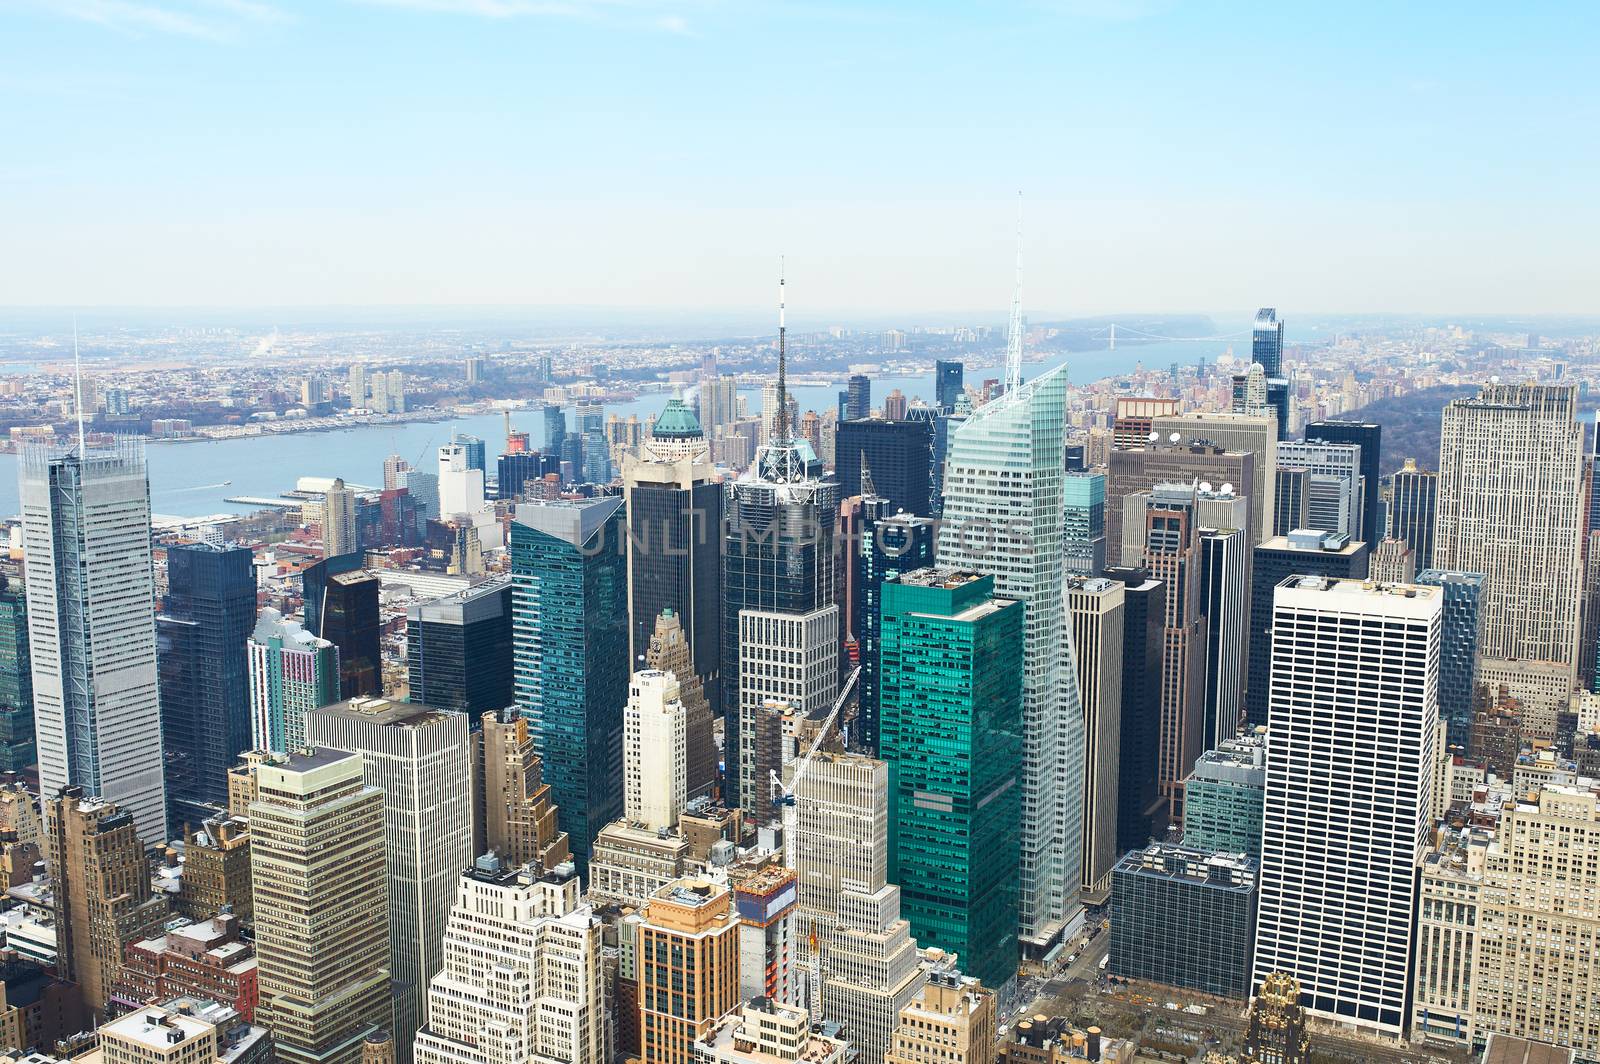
(1411, 424)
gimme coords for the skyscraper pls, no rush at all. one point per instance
(840, 840)
(654, 744)
(351, 622)
(202, 647)
(322, 900)
(951, 1022)
(1083, 545)
(476, 451)
(17, 747)
(1225, 602)
(1172, 553)
(86, 538)
(292, 672)
(897, 543)
(688, 950)
(553, 429)
(951, 704)
(570, 648)
(674, 515)
(1369, 437)
(339, 520)
(669, 652)
(947, 384)
(1002, 516)
(1266, 349)
(458, 649)
(1131, 471)
(1413, 507)
(898, 454)
(1511, 508)
(1224, 799)
(544, 997)
(419, 757)
(513, 816)
(858, 402)
(1139, 804)
(1095, 611)
(1232, 433)
(461, 484)
(1354, 697)
(1460, 635)
(1328, 496)
(101, 889)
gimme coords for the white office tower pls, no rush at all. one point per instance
(92, 625)
(654, 781)
(1320, 485)
(870, 969)
(840, 839)
(421, 758)
(1511, 506)
(460, 486)
(1003, 516)
(522, 981)
(1352, 725)
(788, 658)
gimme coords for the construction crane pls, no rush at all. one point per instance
(783, 797)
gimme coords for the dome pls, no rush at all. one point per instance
(677, 422)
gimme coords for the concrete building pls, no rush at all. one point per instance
(1224, 798)
(870, 969)
(1184, 917)
(513, 814)
(769, 1032)
(1449, 934)
(669, 651)
(1511, 507)
(688, 949)
(1354, 696)
(420, 758)
(339, 520)
(653, 752)
(764, 898)
(543, 998)
(1413, 510)
(101, 890)
(182, 1031)
(786, 658)
(322, 903)
(1318, 485)
(216, 871)
(1095, 611)
(1133, 471)
(631, 863)
(86, 543)
(840, 840)
(1225, 602)
(1236, 433)
(207, 960)
(951, 1022)
(1393, 562)
(292, 672)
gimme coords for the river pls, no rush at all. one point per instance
(196, 479)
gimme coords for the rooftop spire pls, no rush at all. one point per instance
(867, 486)
(781, 425)
(1014, 333)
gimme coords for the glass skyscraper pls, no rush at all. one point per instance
(947, 384)
(898, 543)
(1083, 544)
(458, 650)
(569, 624)
(1413, 510)
(1266, 348)
(1459, 633)
(897, 453)
(1002, 517)
(477, 452)
(202, 638)
(952, 737)
(17, 748)
(1369, 437)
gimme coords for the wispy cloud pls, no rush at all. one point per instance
(212, 20)
(647, 14)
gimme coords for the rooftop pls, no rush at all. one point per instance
(387, 712)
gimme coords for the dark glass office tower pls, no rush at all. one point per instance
(947, 384)
(350, 621)
(513, 471)
(899, 455)
(900, 543)
(554, 430)
(458, 650)
(477, 453)
(1144, 613)
(858, 402)
(569, 597)
(203, 661)
(1308, 552)
(17, 746)
(1413, 509)
(1369, 437)
(1266, 347)
(1458, 650)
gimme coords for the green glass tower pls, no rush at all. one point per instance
(951, 705)
(17, 749)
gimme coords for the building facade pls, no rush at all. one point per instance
(1458, 650)
(1095, 611)
(292, 672)
(1185, 917)
(458, 649)
(688, 965)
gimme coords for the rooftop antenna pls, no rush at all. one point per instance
(77, 366)
(1014, 333)
(781, 426)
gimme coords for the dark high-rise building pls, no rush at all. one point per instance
(1266, 348)
(477, 452)
(17, 747)
(1305, 552)
(314, 585)
(1225, 600)
(1459, 633)
(554, 429)
(1143, 620)
(513, 471)
(569, 581)
(899, 456)
(890, 543)
(1184, 917)
(1369, 437)
(202, 655)
(458, 650)
(674, 512)
(572, 457)
(858, 401)
(947, 384)
(1413, 509)
(398, 517)
(350, 621)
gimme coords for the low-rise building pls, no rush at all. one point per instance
(952, 1021)
(205, 960)
(769, 1032)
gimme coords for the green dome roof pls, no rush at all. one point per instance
(677, 421)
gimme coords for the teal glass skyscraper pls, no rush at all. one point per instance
(569, 639)
(951, 705)
(17, 750)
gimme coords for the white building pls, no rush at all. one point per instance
(522, 981)
(1353, 721)
(91, 625)
(840, 839)
(792, 658)
(338, 520)
(1003, 517)
(654, 777)
(460, 486)
(421, 759)
(768, 1032)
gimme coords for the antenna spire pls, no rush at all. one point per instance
(77, 367)
(781, 425)
(1014, 332)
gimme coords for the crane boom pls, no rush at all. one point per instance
(782, 795)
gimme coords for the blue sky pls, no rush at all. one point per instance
(1173, 156)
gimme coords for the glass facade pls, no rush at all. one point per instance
(1224, 798)
(1184, 917)
(350, 621)
(17, 747)
(898, 455)
(1143, 620)
(1458, 648)
(1083, 534)
(947, 384)
(1275, 561)
(570, 651)
(202, 638)
(458, 651)
(513, 471)
(1369, 437)
(676, 556)
(898, 544)
(952, 737)
(1413, 509)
